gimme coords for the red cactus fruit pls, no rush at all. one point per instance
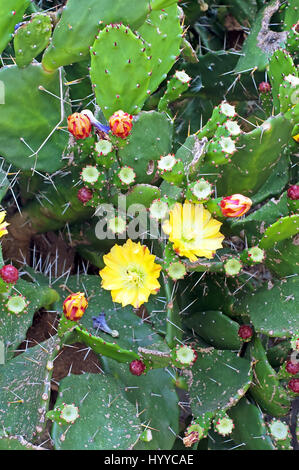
(293, 192)
(294, 385)
(292, 367)
(137, 367)
(264, 87)
(9, 274)
(245, 332)
(84, 195)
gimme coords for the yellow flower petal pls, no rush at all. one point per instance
(131, 274)
(193, 231)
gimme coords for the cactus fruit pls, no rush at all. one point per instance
(9, 274)
(84, 195)
(137, 367)
(293, 192)
(245, 332)
(292, 367)
(293, 385)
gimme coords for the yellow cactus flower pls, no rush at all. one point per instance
(193, 231)
(130, 274)
(3, 225)
(74, 306)
(296, 137)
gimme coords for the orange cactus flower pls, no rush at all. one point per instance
(235, 205)
(121, 124)
(74, 306)
(79, 125)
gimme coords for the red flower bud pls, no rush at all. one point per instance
(74, 306)
(245, 332)
(121, 124)
(84, 195)
(235, 205)
(293, 192)
(264, 87)
(294, 385)
(79, 125)
(9, 274)
(137, 367)
(292, 367)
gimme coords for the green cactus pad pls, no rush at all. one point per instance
(13, 327)
(107, 420)
(175, 87)
(291, 13)
(280, 66)
(276, 182)
(155, 393)
(151, 137)
(29, 134)
(266, 389)
(215, 328)
(120, 70)
(220, 379)
(25, 390)
(79, 24)
(280, 230)
(32, 38)
(262, 41)
(17, 443)
(143, 194)
(283, 259)
(57, 204)
(250, 430)
(256, 223)
(133, 332)
(163, 36)
(257, 151)
(278, 353)
(273, 309)
(11, 13)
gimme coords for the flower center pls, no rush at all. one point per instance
(189, 235)
(135, 276)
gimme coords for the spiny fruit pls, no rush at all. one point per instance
(9, 274)
(264, 87)
(293, 192)
(84, 194)
(292, 367)
(245, 332)
(137, 367)
(294, 385)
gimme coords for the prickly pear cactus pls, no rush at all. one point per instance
(149, 225)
